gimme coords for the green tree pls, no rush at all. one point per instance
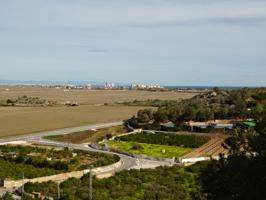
(242, 175)
(144, 116)
(7, 196)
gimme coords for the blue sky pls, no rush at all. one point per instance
(169, 42)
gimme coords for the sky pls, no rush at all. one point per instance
(167, 42)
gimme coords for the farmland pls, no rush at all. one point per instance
(163, 145)
(91, 109)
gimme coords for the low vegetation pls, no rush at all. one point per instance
(171, 139)
(38, 162)
(27, 101)
(154, 150)
(14, 171)
(89, 136)
(163, 183)
(149, 103)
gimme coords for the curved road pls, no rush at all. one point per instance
(127, 161)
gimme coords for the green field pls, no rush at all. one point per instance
(154, 150)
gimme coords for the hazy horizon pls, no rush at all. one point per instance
(99, 83)
(166, 42)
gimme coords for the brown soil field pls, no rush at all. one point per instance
(24, 120)
(212, 148)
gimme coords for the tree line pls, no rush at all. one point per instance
(216, 104)
(190, 141)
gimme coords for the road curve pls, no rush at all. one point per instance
(127, 161)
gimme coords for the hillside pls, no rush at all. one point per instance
(216, 104)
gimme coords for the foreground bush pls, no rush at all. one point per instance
(162, 183)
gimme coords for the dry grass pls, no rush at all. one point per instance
(23, 120)
(19, 120)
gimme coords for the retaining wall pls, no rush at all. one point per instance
(101, 172)
(198, 159)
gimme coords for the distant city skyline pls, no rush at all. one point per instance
(163, 42)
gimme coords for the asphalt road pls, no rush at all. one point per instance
(127, 161)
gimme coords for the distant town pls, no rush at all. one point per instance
(71, 85)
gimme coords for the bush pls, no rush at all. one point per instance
(162, 183)
(137, 147)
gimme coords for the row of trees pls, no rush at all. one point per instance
(190, 141)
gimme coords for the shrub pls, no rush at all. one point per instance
(137, 147)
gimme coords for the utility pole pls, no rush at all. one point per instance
(22, 189)
(58, 190)
(90, 182)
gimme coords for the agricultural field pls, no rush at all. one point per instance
(154, 150)
(89, 136)
(170, 139)
(163, 145)
(93, 107)
(38, 161)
